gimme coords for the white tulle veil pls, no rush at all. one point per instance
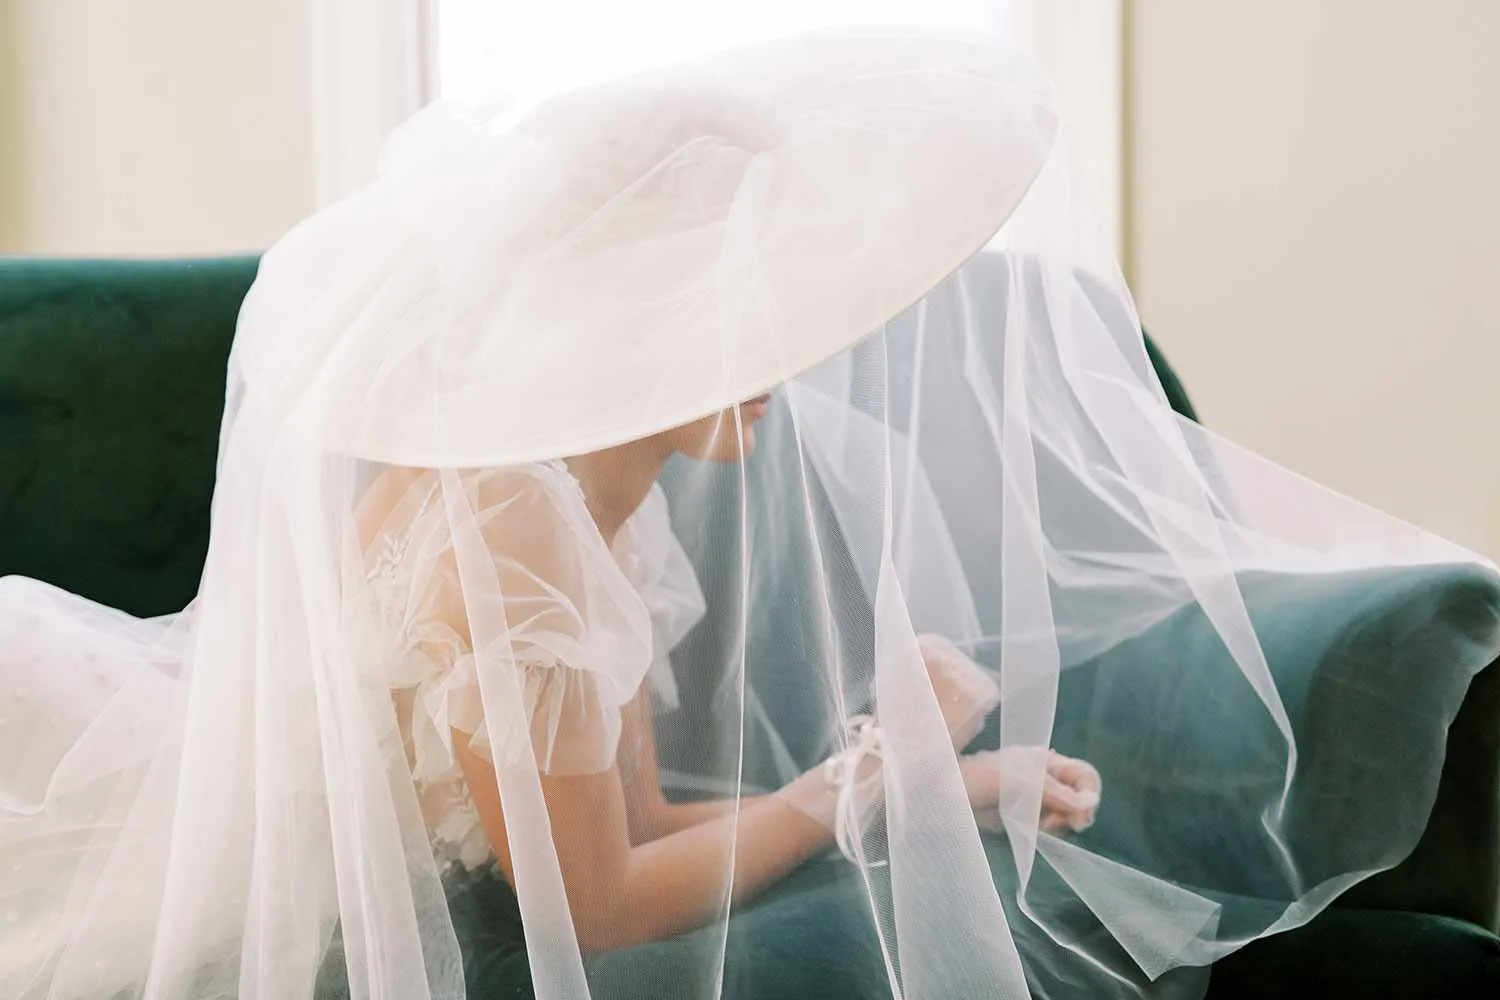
(965, 439)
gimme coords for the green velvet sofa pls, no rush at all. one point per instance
(111, 386)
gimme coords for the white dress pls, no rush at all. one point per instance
(632, 602)
(92, 703)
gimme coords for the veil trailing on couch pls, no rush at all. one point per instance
(905, 418)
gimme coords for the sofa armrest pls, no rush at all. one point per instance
(1368, 665)
(1455, 868)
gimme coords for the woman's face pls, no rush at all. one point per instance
(719, 437)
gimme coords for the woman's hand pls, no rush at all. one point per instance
(965, 693)
(1070, 788)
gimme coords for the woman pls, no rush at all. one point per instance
(476, 601)
(557, 531)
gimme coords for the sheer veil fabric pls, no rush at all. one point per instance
(961, 445)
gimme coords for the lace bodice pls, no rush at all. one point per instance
(616, 611)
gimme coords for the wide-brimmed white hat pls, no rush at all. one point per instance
(633, 255)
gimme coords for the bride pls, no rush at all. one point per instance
(655, 547)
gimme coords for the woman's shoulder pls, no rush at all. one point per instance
(542, 492)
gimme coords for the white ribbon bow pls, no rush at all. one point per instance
(843, 773)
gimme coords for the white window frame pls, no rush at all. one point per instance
(372, 65)
(1082, 45)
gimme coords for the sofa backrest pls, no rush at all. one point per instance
(111, 391)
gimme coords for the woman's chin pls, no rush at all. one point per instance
(730, 453)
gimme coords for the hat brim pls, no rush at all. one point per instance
(657, 249)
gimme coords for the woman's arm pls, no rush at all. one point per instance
(650, 815)
(620, 893)
(965, 695)
(623, 892)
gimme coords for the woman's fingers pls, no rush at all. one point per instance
(1070, 807)
(1061, 797)
(1075, 786)
(1078, 773)
(1070, 787)
(1055, 823)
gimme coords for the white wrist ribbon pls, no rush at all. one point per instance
(842, 770)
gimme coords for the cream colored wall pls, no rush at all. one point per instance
(1314, 235)
(10, 109)
(153, 126)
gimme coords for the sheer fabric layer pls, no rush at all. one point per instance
(959, 444)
